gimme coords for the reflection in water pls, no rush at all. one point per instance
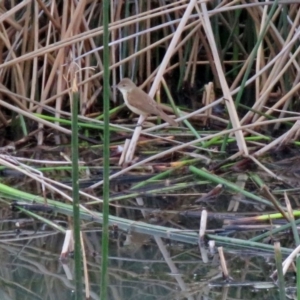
(140, 266)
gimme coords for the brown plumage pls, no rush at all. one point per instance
(139, 102)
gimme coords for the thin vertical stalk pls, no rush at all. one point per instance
(106, 91)
(252, 56)
(254, 52)
(75, 192)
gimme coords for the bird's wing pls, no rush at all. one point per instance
(149, 106)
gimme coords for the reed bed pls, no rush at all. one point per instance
(229, 73)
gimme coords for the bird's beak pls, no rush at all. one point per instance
(114, 86)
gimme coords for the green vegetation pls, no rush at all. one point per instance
(228, 72)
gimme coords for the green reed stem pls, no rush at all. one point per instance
(216, 179)
(106, 156)
(75, 196)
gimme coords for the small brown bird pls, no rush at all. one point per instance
(139, 102)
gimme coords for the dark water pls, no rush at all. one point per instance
(153, 249)
(141, 266)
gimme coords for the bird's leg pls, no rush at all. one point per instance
(141, 124)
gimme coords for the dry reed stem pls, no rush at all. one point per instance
(267, 66)
(159, 75)
(269, 69)
(196, 141)
(260, 54)
(226, 92)
(114, 14)
(236, 198)
(44, 181)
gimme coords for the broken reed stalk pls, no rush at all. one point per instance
(223, 264)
